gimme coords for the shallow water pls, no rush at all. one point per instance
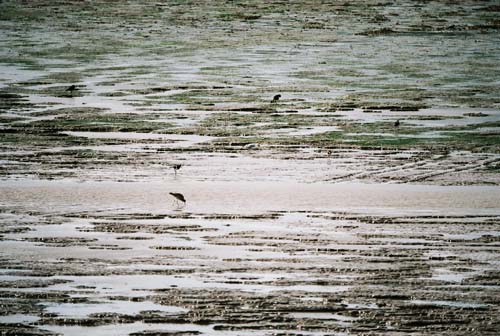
(246, 198)
(120, 307)
(310, 215)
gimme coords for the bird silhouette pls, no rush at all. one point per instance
(276, 98)
(178, 197)
(72, 88)
(396, 124)
(176, 167)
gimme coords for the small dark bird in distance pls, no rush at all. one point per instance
(72, 88)
(178, 197)
(176, 167)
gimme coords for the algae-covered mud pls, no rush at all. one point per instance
(364, 201)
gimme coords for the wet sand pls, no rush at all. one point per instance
(311, 215)
(246, 197)
(241, 258)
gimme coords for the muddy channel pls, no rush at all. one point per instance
(364, 201)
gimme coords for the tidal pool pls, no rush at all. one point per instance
(313, 214)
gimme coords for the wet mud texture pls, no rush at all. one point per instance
(173, 82)
(345, 71)
(300, 273)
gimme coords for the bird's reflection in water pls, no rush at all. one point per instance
(180, 200)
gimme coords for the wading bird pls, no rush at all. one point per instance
(176, 167)
(276, 98)
(396, 124)
(178, 197)
(72, 88)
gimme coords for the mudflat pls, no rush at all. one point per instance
(364, 201)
